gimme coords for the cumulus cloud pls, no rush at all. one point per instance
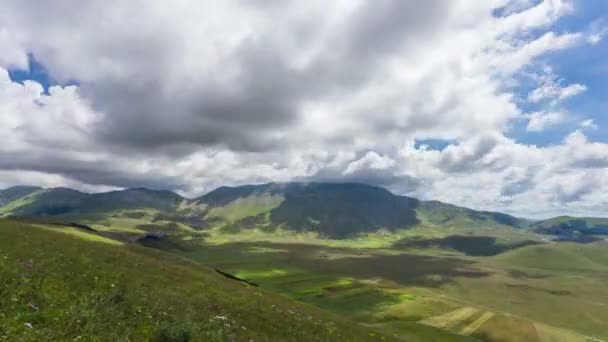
(556, 92)
(192, 95)
(539, 121)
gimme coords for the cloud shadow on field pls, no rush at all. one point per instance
(404, 269)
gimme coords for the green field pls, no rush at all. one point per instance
(64, 285)
(434, 272)
(558, 287)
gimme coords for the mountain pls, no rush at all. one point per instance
(45, 202)
(337, 209)
(334, 210)
(65, 201)
(14, 193)
(439, 214)
(573, 228)
(331, 209)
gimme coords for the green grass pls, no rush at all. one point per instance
(336, 279)
(79, 233)
(59, 286)
(373, 281)
(20, 202)
(247, 206)
(389, 287)
(562, 258)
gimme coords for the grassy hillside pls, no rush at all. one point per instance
(569, 258)
(46, 202)
(343, 210)
(64, 201)
(573, 228)
(332, 210)
(57, 285)
(517, 295)
(436, 213)
(14, 193)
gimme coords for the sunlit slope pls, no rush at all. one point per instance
(64, 201)
(339, 210)
(14, 193)
(560, 257)
(61, 286)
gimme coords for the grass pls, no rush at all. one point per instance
(377, 282)
(82, 235)
(247, 206)
(387, 287)
(20, 202)
(59, 286)
(295, 271)
(505, 328)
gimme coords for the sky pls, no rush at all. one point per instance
(493, 105)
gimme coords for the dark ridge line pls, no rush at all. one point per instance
(230, 276)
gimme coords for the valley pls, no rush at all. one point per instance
(431, 272)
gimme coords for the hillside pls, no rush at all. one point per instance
(442, 214)
(573, 228)
(332, 210)
(14, 193)
(64, 201)
(70, 285)
(338, 210)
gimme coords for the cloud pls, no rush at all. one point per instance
(539, 121)
(597, 32)
(192, 95)
(588, 124)
(555, 92)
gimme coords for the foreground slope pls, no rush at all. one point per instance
(66, 284)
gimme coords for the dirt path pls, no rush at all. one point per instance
(477, 323)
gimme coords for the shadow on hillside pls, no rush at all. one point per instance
(469, 245)
(405, 269)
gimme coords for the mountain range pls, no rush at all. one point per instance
(334, 210)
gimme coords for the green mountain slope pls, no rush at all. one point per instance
(46, 202)
(339, 210)
(436, 213)
(14, 193)
(561, 257)
(332, 210)
(572, 227)
(59, 284)
(64, 201)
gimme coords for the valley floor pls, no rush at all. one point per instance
(416, 285)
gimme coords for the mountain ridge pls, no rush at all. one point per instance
(336, 209)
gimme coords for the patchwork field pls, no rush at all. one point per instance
(417, 284)
(511, 296)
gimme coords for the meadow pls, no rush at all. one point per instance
(417, 284)
(59, 284)
(526, 292)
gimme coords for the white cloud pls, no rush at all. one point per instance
(539, 121)
(588, 124)
(597, 32)
(555, 92)
(200, 94)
